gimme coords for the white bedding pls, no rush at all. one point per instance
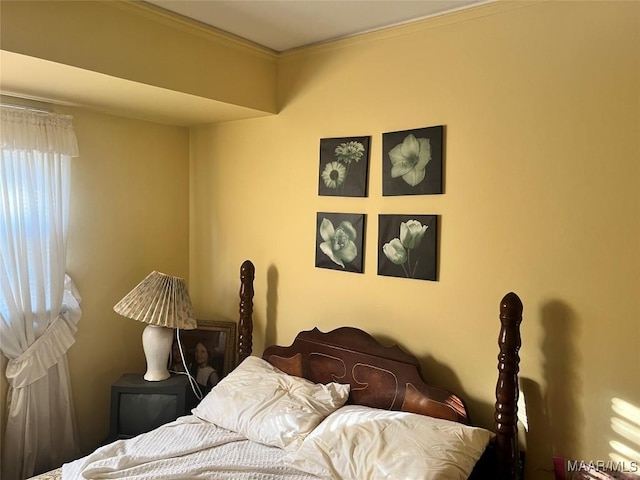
(188, 448)
(298, 429)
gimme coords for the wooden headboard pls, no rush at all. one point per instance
(388, 378)
(380, 377)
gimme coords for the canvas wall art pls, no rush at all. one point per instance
(412, 161)
(408, 246)
(340, 241)
(344, 166)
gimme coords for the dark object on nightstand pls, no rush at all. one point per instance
(138, 406)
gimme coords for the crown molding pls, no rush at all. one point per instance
(491, 7)
(193, 27)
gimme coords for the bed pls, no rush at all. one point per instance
(332, 404)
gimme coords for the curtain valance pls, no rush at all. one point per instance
(43, 132)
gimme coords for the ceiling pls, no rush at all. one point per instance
(286, 24)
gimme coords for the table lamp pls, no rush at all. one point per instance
(162, 301)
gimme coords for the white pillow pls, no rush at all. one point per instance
(358, 442)
(269, 406)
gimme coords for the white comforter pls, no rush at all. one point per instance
(188, 448)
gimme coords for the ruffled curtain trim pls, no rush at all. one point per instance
(43, 132)
(51, 346)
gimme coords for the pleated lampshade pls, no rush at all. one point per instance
(161, 300)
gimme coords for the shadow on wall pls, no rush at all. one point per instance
(534, 422)
(440, 375)
(271, 329)
(552, 420)
(562, 375)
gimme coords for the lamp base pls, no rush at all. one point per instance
(156, 342)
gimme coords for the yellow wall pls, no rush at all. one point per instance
(129, 216)
(541, 105)
(132, 40)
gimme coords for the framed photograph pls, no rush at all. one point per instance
(209, 352)
(412, 161)
(408, 246)
(344, 166)
(340, 241)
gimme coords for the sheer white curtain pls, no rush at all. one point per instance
(39, 305)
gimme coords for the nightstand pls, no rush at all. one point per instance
(138, 406)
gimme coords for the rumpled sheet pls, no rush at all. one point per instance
(188, 448)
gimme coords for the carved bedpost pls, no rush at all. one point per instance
(245, 325)
(507, 387)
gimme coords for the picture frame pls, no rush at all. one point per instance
(219, 341)
(340, 241)
(344, 166)
(412, 162)
(408, 246)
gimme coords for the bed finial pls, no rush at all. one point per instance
(507, 387)
(245, 325)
